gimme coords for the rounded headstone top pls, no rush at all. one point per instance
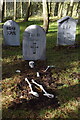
(11, 32)
(34, 27)
(34, 32)
(34, 43)
(10, 23)
(65, 19)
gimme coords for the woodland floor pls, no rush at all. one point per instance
(63, 80)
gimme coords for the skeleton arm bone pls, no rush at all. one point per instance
(41, 87)
(47, 68)
(52, 66)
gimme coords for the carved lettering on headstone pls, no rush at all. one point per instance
(11, 32)
(34, 43)
(34, 48)
(66, 31)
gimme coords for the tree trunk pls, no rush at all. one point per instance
(71, 8)
(21, 8)
(14, 9)
(28, 10)
(56, 9)
(68, 5)
(5, 9)
(77, 7)
(53, 8)
(50, 8)
(45, 16)
(60, 9)
(1, 5)
(78, 13)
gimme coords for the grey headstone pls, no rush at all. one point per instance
(11, 32)
(34, 43)
(66, 31)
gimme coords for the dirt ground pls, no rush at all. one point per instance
(27, 101)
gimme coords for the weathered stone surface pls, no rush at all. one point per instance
(66, 31)
(11, 32)
(34, 43)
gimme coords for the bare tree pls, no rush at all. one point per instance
(45, 15)
(71, 7)
(60, 9)
(78, 10)
(1, 9)
(56, 9)
(21, 8)
(50, 8)
(77, 7)
(14, 9)
(5, 9)
(27, 10)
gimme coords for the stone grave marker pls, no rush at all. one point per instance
(66, 31)
(11, 32)
(34, 43)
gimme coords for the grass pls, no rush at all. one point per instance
(66, 75)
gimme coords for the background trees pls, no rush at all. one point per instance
(15, 10)
(19, 9)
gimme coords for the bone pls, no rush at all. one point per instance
(52, 66)
(48, 95)
(47, 68)
(31, 64)
(41, 87)
(30, 86)
(38, 75)
(18, 71)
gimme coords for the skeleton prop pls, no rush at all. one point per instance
(30, 86)
(52, 66)
(41, 87)
(38, 75)
(31, 64)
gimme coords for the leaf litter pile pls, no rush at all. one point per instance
(25, 100)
